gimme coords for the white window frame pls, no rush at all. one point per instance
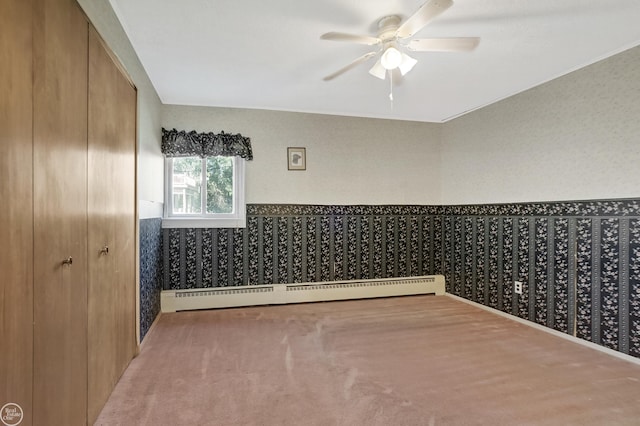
(235, 219)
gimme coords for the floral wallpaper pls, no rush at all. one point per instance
(634, 288)
(523, 268)
(150, 272)
(579, 262)
(291, 244)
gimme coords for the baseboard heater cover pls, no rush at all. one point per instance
(279, 294)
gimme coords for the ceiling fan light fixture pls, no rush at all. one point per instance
(391, 58)
(378, 70)
(407, 63)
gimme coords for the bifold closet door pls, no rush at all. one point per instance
(111, 207)
(16, 220)
(60, 213)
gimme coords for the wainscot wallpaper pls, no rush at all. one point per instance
(150, 272)
(579, 262)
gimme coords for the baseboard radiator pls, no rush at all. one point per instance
(278, 294)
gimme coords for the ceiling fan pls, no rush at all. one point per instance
(394, 36)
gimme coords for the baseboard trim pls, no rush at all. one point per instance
(279, 294)
(557, 333)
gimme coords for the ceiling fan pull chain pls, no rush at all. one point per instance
(391, 88)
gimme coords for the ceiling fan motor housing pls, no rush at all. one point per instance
(387, 28)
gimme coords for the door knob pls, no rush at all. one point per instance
(105, 250)
(68, 261)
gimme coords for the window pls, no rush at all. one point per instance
(204, 192)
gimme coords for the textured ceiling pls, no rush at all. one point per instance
(268, 54)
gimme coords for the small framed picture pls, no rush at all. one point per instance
(297, 158)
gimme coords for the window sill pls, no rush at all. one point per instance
(190, 222)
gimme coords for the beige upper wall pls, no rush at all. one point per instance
(574, 138)
(349, 160)
(150, 160)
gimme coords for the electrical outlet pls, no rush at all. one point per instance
(517, 287)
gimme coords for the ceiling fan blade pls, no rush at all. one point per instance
(422, 17)
(455, 44)
(378, 70)
(352, 38)
(353, 64)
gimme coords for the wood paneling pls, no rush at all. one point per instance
(111, 205)
(60, 213)
(16, 229)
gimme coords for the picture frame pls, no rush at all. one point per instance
(296, 158)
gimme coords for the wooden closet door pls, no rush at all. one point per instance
(60, 213)
(16, 219)
(112, 191)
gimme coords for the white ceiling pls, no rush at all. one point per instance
(268, 54)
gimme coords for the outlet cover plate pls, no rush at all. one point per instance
(517, 287)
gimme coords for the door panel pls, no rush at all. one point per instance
(111, 205)
(16, 229)
(60, 218)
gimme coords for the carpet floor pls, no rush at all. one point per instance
(423, 360)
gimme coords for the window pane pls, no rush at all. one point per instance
(187, 182)
(220, 185)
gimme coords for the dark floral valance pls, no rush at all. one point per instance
(187, 144)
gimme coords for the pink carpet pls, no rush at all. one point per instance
(421, 360)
